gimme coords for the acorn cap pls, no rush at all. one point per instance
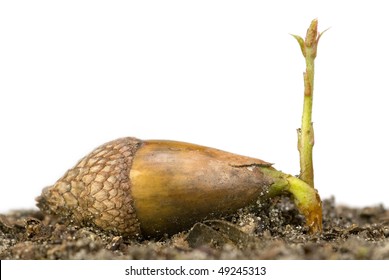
(97, 191)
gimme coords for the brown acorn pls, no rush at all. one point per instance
(149, 188)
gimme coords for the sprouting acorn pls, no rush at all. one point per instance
(149, 188)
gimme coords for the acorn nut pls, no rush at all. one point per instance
(148, 188)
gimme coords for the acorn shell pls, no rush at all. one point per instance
(149, 188)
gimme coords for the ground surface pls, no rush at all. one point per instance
(273, 232)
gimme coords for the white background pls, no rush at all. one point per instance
(225, 74)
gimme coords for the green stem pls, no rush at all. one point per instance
(306, 137)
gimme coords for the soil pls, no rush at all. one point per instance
(271, 231)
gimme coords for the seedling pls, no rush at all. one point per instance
(306, 138)
(150, 188)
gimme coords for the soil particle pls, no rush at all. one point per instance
(271, 231)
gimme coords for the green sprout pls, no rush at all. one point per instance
(305, 134)
(306, 198)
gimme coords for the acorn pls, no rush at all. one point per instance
(150, 188)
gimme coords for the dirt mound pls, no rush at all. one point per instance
(274, 231)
